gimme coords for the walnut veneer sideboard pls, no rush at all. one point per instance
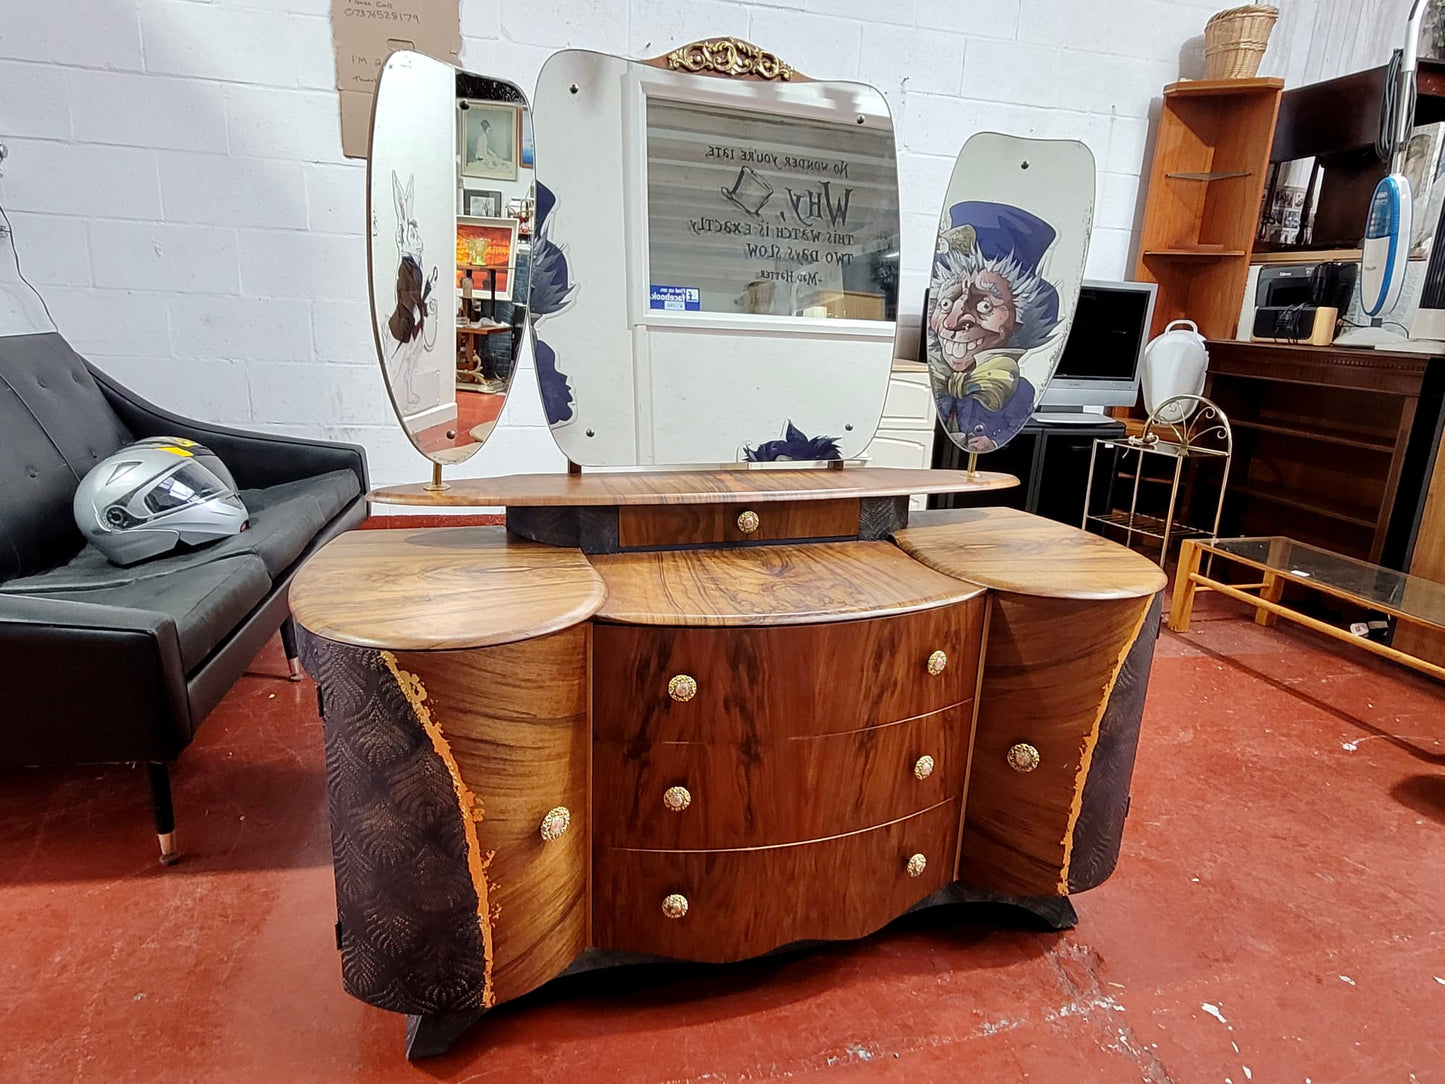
(705, 716)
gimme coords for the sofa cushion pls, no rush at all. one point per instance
(56, 425)
(286, 517)
(284, 520)
(206, 601)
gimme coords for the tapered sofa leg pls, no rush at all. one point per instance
(288, 644)
(159, 777)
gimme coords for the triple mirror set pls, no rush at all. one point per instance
(705, 249)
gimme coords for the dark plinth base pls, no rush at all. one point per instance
(594, 528)
(1055, 912)
(433, 1035)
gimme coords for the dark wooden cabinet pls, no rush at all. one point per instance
(1333, 446)
(1335, 122)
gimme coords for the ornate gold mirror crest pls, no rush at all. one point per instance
(730, 57)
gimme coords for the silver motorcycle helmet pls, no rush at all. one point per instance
(203, 455)
(155, 494)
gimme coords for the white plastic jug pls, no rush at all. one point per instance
(1175, 362)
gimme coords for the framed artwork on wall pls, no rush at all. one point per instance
(490, 134)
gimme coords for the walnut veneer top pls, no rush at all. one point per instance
(770, 585)
(1009, 550)
(442, 587)
(690, 487)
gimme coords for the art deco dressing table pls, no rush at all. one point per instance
(714, 751)
(706, 714)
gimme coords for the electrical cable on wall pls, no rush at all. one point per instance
(15, 252)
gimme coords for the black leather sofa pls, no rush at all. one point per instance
(112, 664)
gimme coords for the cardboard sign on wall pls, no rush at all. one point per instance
(365, 33)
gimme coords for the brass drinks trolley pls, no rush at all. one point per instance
(1183, 428)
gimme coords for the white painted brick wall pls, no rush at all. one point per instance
(179, 194)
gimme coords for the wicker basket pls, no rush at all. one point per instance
(1235, 41)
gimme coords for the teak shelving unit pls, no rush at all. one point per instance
(1211, 157)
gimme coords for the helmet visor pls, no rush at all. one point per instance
(188, 485)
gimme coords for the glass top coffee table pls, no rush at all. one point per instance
(1282, 560)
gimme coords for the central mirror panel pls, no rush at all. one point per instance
(450, 204)
(715, 274)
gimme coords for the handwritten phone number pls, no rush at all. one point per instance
(390, 16)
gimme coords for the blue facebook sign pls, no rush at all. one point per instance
(675, 298)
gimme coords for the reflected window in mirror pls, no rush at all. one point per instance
(716, 276)
(767, 214)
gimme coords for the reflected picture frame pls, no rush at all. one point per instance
(483, 203)
(489, 138)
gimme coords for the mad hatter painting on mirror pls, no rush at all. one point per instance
(1006, 273)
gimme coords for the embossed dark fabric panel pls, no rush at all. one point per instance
(1100, 827)
(590, 529)
(879, 517)
(404, 895)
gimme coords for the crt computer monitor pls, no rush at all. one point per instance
(1105, 349)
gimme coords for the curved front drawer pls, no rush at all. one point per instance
(685, 795)
(757, 684)
(742, 903)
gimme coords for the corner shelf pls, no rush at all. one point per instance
(1202, 206)
(1210, 88)
(1194, 253)
(1212, 175)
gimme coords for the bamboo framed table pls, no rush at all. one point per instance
(1281, 560)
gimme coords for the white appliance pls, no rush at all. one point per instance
(1175, 362)
(1388, 229)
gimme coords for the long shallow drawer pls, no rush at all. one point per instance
(729, 905)
(656, 526)
(686, 795)
(737, 685)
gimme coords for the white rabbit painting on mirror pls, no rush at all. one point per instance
(433, 266)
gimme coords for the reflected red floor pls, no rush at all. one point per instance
(1276, 916)
(473, 409)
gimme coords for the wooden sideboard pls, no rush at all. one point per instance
(704, 716)
(1333, 446)
(1339, 447)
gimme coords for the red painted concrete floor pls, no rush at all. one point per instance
(1277, 916)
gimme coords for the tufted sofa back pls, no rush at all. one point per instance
(54, 426)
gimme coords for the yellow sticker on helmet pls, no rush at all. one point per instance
(175, 451)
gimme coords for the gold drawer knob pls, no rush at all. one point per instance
(556, 823)
(1023, 757)
(923, 767)
(682, 688)
(748, 521)
(676, 799)
(674, 905)
(937, 662)
(916, 865)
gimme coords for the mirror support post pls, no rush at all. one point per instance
(436, 482)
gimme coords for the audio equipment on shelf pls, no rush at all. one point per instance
(1301, 303)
